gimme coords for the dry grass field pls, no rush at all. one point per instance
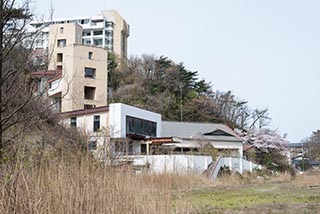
(82, 185)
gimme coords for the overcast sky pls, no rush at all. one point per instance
(266, 52)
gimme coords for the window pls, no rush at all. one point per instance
(97, 42)
(39, 43)
(73, 121)
(89, 72)
(92, 145)
(84, 21)
(62, 42)
(86, 33)
(108, 33)
(96, 123)
(108, 41)
(61, 29)
(59, 67)
(124, 44)
(89, 106)
(59, 57)
(109, 24)
(97, 33)
(90, 54)
(89, 93)
(140, 126)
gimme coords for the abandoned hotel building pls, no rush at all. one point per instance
(76, 80)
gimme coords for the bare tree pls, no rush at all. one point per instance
(17, 98)
(260, 117)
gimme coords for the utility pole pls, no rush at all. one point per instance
(181, 110)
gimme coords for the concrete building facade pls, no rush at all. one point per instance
(107, 30)
(77, 73)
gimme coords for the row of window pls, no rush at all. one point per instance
(108, 33)
(81, 21)
(98, 42)
(96, 122)
(60, 56)
(140, 127)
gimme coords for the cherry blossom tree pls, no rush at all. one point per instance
(265, 139)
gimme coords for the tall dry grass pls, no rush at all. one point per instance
(309, 180)
(76, 183)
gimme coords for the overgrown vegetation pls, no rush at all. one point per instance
(161, 85)
(312, 146)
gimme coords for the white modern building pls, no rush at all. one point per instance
(106, 30)
(131, 121)
(123, 127)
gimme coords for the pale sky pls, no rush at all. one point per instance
(266, 52)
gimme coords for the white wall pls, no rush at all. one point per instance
(117, 120)
(55, 87)
(174, 163)
(85, 122)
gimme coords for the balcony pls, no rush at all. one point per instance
(55, 87)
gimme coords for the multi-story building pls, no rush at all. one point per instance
(77, 74)
(107, 30)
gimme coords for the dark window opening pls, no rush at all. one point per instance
(96, 123)
(97, 42)
(89, 92)
(97, 33)
(59, 57)
(90, 54)
(109, 33)
(59, 67)
(108, 41)
(73, 121)
(89, 72)
(86, 33)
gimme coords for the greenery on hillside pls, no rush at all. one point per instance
(161, 85)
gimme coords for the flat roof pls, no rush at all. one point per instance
(86, 111)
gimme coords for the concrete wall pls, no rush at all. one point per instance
(235, 164)
(120, 29)
(173, 163)
(117, 120)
